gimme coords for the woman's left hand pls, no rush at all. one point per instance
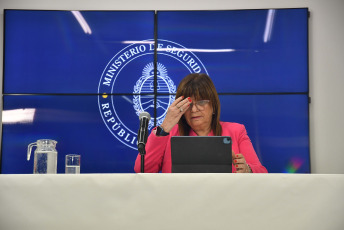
(240, 164)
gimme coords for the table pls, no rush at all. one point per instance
(172, 201)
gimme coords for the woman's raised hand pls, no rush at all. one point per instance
(175, 112)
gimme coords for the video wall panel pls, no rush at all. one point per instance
(244, 51)
(67, 51)
(75, 123)
(83, 77)
(277, 126)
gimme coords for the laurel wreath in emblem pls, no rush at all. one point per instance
(145, 84)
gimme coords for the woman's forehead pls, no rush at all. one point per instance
(196, 93)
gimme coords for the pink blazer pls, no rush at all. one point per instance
(158, 149)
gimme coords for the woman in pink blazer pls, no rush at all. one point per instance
(196, 112)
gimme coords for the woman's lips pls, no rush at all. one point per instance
(196, 117)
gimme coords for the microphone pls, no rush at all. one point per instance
(143, 132)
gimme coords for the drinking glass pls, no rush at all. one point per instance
(72, 164)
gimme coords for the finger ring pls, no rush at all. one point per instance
(181, 110)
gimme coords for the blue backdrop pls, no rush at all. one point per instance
(86, 75)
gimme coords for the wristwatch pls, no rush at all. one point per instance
(160, 131)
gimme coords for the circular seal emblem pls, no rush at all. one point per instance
(126, 87)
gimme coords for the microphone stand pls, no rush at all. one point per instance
(142, 153)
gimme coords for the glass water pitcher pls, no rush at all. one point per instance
(45, 159)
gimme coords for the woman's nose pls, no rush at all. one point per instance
(193, 107)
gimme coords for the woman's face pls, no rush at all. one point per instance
(199, 115)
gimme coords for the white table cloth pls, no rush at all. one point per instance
(171, 201)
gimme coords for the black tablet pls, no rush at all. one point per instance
(201, 154)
